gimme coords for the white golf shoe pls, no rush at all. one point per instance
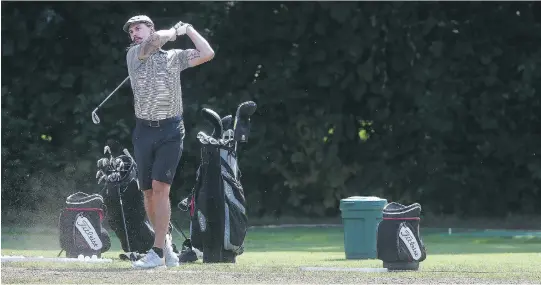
(171, 257)
(149, 261)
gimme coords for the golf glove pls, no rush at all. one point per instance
(181, 28)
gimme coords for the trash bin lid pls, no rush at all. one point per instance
(362, 203)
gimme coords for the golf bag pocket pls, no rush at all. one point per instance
(80, 226)
(197, 227)
(236, 221)
(399, 243)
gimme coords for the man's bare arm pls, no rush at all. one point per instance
(155, 41)
(202, 52)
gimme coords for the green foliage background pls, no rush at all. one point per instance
(429, 102)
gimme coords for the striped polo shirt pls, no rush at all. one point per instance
(155, 82)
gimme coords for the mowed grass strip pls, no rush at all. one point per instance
(277, 255)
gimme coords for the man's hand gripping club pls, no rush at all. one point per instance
(201, 54)
(181, 28)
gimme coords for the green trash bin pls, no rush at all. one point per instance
(361, 217)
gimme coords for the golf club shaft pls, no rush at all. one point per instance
(124, 220)
(118, 87)
(177, 230)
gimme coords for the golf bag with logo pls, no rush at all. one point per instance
(125, 204)
(217, 205)
(399, 242)
(80, 226)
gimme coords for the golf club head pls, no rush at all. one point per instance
(127, 153)
(227, 122)
(242, 120)
(187, 244)
(102, 162)
(102, 178)
(115, 162)
(183, 205)
(113, 177)
(95, 117)
(202, 137)
(132, 162)
(120, 166)
(228, 135)
(214, 120)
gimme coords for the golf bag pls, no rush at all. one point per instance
(80, 226)
(399, 242)
(125, 203)
(218, 218)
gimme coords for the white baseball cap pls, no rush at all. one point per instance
(137, 19)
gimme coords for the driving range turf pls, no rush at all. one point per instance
(285, 255)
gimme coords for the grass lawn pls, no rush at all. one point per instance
(280, 255)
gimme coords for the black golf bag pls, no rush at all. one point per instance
(399, 242)
(125, 204)
(80, 226)
(218, 218)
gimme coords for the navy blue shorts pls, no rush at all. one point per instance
(157, 147)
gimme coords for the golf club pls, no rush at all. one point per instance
(177, 230)
(127, 153)
(241, 127)
(227, 136)
(102, 162)
(226, 122)
(102, 178)
(132, 257)
(215, 121)
(95, 117)
(99, 173)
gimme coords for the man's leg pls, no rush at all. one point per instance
(149, 206)
(143, 140)
(162, 211)
(142, 144)
(167, 158)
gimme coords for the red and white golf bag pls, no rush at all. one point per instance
(80, 226)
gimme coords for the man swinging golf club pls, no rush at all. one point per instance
(159, 132)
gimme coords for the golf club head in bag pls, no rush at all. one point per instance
(214, 119)
(228, 140)
(107, 150)
(121, 169)
(241, 127)
(227, 123)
